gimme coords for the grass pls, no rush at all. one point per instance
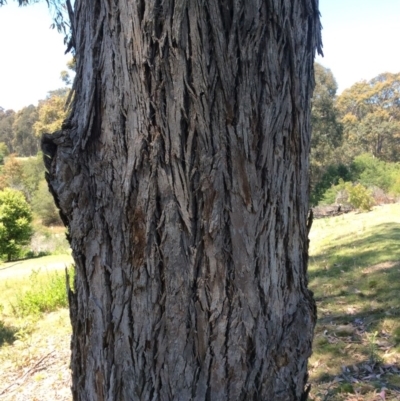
(354, 272)
(34, 321)
(34, 328)
(28, 289)
(47, 293)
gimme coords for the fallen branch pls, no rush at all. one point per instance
(30, 371)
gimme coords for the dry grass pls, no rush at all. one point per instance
(34, 349)
(35, 366)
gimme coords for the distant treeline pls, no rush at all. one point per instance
(20, 131)
(355, 139)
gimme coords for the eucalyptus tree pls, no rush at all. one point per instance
(327, 133)
(370, 113)
(182, 175)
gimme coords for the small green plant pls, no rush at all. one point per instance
(372, 347)
(359, 197)
(47, 293)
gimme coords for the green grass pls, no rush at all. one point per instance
(354, 272)
(28, 289)
(38, 281)
(47, 293)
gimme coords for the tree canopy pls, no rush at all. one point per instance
(51, 112)
(370, 113)
(326, 126)
(362, 123)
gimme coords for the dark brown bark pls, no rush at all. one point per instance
(182, 175)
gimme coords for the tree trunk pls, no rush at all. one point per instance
(182, 176)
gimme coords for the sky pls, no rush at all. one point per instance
(31, 55)
(360, 37)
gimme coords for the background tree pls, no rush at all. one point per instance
(326, 132)
(6, 131)
(12, 174)
(15, 223)
(43, 205)
(370, 114)
(33, 174)
(24, 141)
(182, 175)
(51, 112)
(3, 152)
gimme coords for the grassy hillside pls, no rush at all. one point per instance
(354, 273)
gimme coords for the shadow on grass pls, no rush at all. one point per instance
(364, 378)
(356, 281)
(7, 334)
(366, 249)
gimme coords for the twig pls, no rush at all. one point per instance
(22, 378)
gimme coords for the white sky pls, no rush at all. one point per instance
(31, 55)
(361, 40)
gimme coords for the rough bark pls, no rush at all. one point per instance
(182, 176)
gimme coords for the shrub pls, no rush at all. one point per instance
(359, 197)
(331, 177)
(330, 196)
(15, 223)
(372, 172)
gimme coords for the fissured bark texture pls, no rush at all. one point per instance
(182, 176)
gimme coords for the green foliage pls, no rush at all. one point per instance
(374, 172)
(33, 174)
(330, 178)
(16, 131)
(24, 141)
(22, 174)
(3, 152)
(370, 114)
(21, 131)
(326, 127)
(46, 294)
(43, 205)
(15, 223)
(359, 197)
(331, 194)
(356, 195)
(378, 176)
(12, 174)
(52, 112)
(327, 130)
(6, 132)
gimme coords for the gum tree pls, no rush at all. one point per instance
(182, 176)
